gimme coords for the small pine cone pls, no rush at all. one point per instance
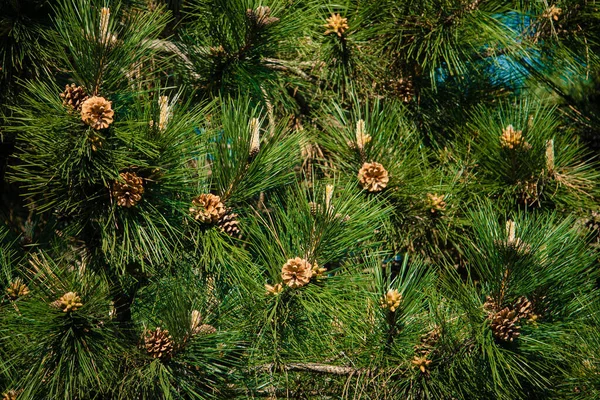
(552, 12)
(512, 139)
(70, 301)
(11, 394)
(523, 308)
(490, 305)
(129, 192)
(261, 17)
(391, 300)
(273, 290)
(422, 363)
(436, 203)
(229, 225)
(73, 96)
(296, 272)
(504, 325)
(403, 88)
(207, 208)
(97, 112)
(373, 177)
(96, 141)
(205, 329)
(197, 327)
(318, 272)
(16, 289)
(158, 343)
(336, 24)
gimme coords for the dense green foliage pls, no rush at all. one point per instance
(408, 199)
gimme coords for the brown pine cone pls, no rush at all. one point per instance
(504, 325)
(261, 17)
(296, 272)
(73, 96)
(490, 305)
(229, 224)
(208, 208)
(129, 192)
(158, 343)
(523, 308)
(97, 112)
(373, 177)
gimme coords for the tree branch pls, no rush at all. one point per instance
(319, 368)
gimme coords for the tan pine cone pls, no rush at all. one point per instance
(11, 394)
(504, 325)
(273, 290)
(336, 24)
(95, 141)
(512, 139)
(296, 272)
(422, 363)
(97, 112)
(436, 203)
(74, 96)
(373, 177)
(207, 208)
(261, 16)
(129, 192)
(205, 329)
(229, 224)
(318, 272)
(16, 289)
(70, 301)
(552, 12)
(391, 300)
(197, 327)
(490, 305)
(158, 343)
(523, 308)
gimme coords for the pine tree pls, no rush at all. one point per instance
(270, 199)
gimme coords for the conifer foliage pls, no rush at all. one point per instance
(232, 199)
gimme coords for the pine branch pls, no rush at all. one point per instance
(318, 368)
